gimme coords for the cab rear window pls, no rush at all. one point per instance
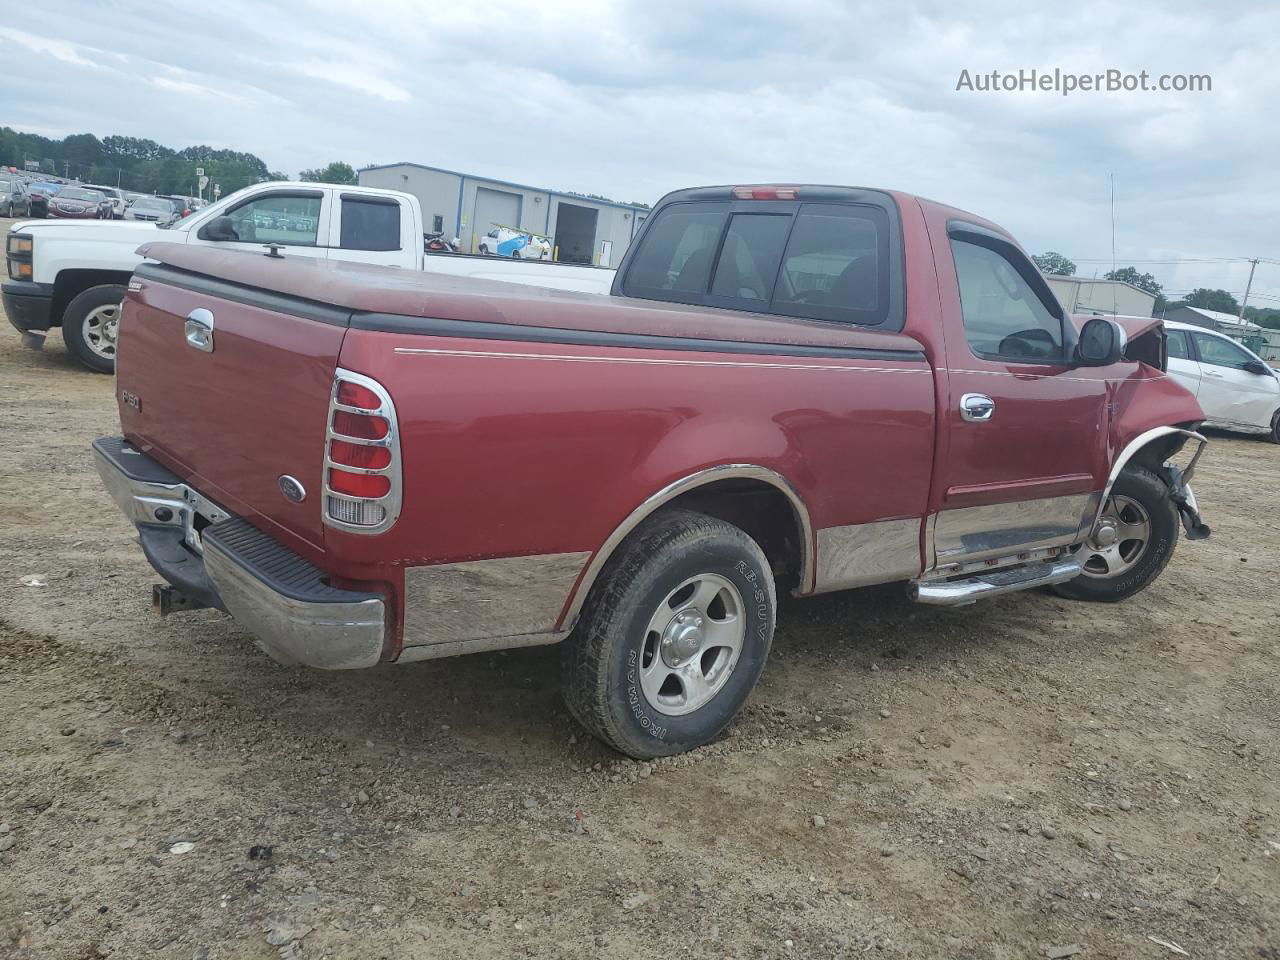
(822, 261)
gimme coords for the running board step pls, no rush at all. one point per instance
(954, 593)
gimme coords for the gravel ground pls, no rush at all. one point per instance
(1028, 777)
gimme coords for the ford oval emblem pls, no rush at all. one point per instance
(293, 491)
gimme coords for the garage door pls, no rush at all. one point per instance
(494, 208)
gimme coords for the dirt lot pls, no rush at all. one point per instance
(1000, 781)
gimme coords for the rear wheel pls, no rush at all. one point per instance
(1131, 543)
(90, 325)
(673, 637)
(484, 251)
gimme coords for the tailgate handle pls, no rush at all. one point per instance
(199, 329)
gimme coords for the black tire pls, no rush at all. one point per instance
(10, 209)
(484, 251)
(515, 254)
(602, 659)
(1140, 485)
(1274, 435)
(75, 317)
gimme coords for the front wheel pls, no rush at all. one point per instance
(90, 325)
(1274, 435)
(673, 637)
(1132, 542)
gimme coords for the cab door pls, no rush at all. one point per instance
(295, 219)
(1026, 443)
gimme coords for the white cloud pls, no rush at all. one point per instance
(355, 77)
(59, 50)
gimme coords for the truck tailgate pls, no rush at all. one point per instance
(236, 414)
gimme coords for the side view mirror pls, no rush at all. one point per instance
(219, 228)
(1102, 343)
(1258, 367)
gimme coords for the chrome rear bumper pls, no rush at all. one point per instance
(280, 597)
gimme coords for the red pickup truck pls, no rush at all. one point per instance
(791, 387)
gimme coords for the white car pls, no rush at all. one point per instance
(1236, 388)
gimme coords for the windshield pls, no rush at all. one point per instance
(88, 196)
(152, 203)
(6, 186)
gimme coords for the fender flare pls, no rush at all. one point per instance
(1131, 450)
(727, 471)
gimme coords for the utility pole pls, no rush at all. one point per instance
(1253, 265)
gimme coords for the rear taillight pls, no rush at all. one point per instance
(362, 456)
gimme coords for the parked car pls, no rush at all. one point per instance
(78, 203)
(509, 242)
(65, 277)
(116, 196)
(1237, 389)
(14, 198)
(40, 194)
(158, 210)
(789, 388)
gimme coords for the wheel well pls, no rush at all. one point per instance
(760, 510)
(69, 284)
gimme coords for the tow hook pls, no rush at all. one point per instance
(1185, 501)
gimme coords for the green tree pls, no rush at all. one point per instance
(336, 172)
(1207, 299)
(1055, 264)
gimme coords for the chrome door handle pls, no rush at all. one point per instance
(199, 329)
(976, 408)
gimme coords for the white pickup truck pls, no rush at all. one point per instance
(73, 275)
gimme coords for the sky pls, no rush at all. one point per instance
(632, 99)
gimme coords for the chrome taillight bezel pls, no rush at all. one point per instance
(391, 501)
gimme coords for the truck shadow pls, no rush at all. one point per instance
(507, 707)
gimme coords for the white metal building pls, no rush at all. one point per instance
(582, 229)
(1107, 297)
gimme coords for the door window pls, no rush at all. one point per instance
(370, 225)
(1220, 353)
(1179, 346)
(286, 219)
(1004, 316)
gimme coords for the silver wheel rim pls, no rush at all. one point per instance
(1119, 540)
(100, 329)
(692, 644)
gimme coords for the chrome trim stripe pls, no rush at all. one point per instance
(1002, 529)
(565, 336)
(865, 553)
(728, 471)
(487, 599)
(1055, 376)
(455, 648)
(573, 358)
